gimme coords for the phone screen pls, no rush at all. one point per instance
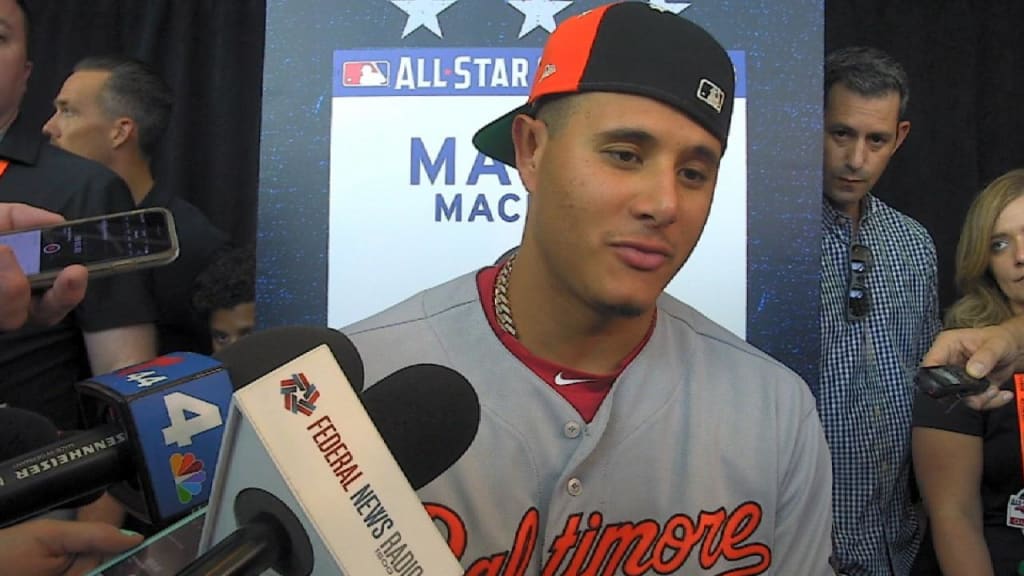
(166, 552)
(91, 241)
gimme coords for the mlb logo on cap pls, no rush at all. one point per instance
(711, 94)
(366, 73)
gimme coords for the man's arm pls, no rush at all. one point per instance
(116, 318)
(116, 348)
(803, 525)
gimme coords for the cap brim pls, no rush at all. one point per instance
(495, 139)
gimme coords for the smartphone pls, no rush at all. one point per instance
(951, 380)
(165, 552)
(105, 244)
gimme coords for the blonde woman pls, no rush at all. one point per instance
(969, 463)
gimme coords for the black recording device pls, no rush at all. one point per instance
(951, 380)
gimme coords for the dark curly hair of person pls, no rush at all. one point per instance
(228, 281)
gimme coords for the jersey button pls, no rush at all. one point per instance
(572, 429)
(575, 487)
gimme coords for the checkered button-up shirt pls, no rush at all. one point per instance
(866, 389)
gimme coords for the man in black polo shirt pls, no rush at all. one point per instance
(39, 365)
(114, 110)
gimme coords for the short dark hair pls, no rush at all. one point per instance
(867, 71)
(134, 90)
(228, 281)
(555, 110)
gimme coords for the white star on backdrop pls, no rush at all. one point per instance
(538, 13)
(668, 6)
(422, 13)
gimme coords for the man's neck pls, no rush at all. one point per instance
(559, 327)
(137, 175)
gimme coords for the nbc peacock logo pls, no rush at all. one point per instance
(188, 475)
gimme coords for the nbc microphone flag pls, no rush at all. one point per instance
(366, 73)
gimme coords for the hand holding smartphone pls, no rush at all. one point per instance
(951, 380)
(105, 245)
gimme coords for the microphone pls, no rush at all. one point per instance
(250, 358)
(21, 433)
(428, 415)
(358, 517)
(158, 428)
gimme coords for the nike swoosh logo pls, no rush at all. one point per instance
(563, 381)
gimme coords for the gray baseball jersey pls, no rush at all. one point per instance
(706, 457)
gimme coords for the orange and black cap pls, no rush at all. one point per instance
(632, 48)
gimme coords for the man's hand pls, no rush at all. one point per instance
(995, 352)
(17, 305)
(53, 547)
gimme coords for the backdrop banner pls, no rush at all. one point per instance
(371, 189)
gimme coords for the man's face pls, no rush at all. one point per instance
(227, 325)
(14, 64)
(1007, 257)
(619, 195)
(861, 135)
(79, 124)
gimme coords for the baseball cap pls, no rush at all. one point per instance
(633, 48)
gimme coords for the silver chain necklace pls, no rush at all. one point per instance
(502, 309)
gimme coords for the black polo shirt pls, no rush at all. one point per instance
(38, 367)
(199, 242)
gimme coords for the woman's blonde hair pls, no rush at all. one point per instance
(982, 303)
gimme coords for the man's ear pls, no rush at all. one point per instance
(529, 136)
(902, 129)
(122, 130)
(24, 79)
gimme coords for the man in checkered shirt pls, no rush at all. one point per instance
(879, 315)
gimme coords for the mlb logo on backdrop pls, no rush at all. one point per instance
(366, 73)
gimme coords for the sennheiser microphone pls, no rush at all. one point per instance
(157, 428)
(22, 431)
(427, 416)
(22, 434)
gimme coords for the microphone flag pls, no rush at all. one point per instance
(301, 433)
(172, 410)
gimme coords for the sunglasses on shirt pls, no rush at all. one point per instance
(859, 300)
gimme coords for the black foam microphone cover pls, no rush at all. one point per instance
(428, 416)
(290, 342)
(22, 431)
(22, 434)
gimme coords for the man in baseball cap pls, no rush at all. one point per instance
(621, 430)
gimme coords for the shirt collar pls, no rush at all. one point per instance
(21, 144)
(833, 216)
